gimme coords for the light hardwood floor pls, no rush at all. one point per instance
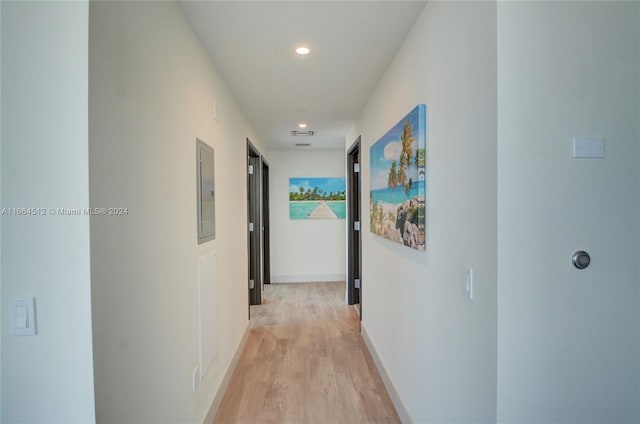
(305, 362)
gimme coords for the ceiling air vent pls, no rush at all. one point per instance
(296, 133)
(303, 144)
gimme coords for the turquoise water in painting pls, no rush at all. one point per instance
(397, 195)
(339, 208)
(300, 210)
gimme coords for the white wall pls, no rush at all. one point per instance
(568, 339)
(0, 207)
(152, 89)
(439, 348)
(47, 378)
(304, 250)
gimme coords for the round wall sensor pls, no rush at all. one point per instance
(581, 259)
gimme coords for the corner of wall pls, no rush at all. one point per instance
(43, 166)
(638, 136)
(2, 317)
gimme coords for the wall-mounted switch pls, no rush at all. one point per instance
(467, 281)
(23, 316)
(195, 379)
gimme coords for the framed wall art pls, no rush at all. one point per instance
(317, 198)
(398, 182)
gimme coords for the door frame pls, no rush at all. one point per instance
(266, 232)
(253, 225)
(354, 236)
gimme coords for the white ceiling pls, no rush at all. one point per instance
(252, 44)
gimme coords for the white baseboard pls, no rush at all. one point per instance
(227, 377)
(386, 379)
(307, 278)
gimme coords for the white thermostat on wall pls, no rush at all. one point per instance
(588, 147)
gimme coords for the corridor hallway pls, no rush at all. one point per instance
(305, 362)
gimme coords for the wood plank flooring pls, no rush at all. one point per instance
(305, 362)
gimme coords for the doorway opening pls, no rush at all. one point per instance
(354, 239)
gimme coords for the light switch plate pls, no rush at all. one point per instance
(23, 316)
(467, 281)
(588, 147)
(195, 379)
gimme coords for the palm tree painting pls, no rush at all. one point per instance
(317, 198)
(398, 166)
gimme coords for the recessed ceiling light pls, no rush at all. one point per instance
(302, 125)
(302, 50)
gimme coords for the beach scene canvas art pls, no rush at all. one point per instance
(317, 198)
(398, 182)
